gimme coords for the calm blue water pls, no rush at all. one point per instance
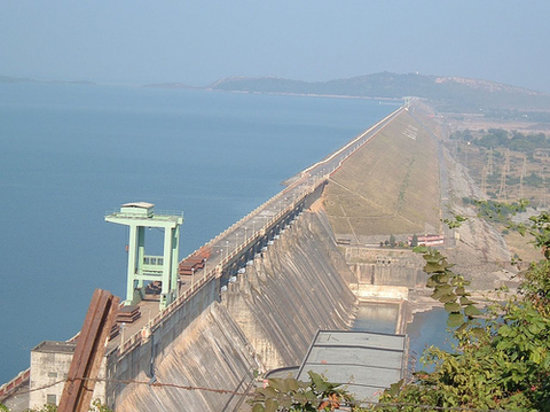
(428, 329)
(69, 153)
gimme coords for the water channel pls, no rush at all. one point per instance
(376, 317)
(427, 328)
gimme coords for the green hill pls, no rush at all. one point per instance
(447, 93)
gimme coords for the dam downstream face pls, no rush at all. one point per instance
(266, 319)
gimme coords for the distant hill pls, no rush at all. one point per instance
(10, 79)
(173, 85)
(448, 93)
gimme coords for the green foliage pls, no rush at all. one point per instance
(455, 222)
(533, 180)
(498, 212)
(537, 285)
(499, 138)
(448, 288)
(44, 408)
(539, 228)
(97, 406)
(3, 408)
(295, 396)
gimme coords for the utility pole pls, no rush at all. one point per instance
(505, 171)
(490, 170)
(523, 173)
(484, 180)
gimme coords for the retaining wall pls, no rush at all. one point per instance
(389, 267)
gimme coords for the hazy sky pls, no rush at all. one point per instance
(200, 41)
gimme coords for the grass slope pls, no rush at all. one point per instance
(391, 185)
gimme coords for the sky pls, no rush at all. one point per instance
(200, 41)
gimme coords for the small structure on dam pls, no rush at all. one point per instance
(49, 361)
(142, 267)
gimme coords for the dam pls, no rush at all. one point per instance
(277, 277)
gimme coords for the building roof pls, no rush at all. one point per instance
(54, 347)
(365, 363)
(140, 205)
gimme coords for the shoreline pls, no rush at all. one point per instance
(387, 100)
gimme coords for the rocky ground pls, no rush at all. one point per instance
(481, 253)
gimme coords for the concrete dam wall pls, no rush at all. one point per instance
(294, 290)
(266, 319)
(211, 352)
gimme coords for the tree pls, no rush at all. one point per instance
(414, 241)
(392, 240)
(292, 395)
(96, 406)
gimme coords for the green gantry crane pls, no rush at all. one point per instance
(142, 267)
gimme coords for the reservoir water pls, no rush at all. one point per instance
(70, 153)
